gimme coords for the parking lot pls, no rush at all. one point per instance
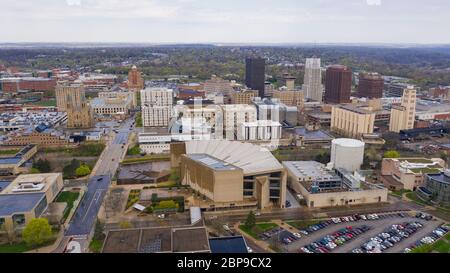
(357, 239)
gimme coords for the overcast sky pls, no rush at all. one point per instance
(226, 21)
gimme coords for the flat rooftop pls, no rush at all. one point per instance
(235, 244)
(312, 135)
(212, 162)
(157, 240)
(16, 203)
(190, 240)
(440, 177)
(310, 170)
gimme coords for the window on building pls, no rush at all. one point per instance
(18, 220)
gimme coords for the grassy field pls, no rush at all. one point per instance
(96, 246)
(258, 229)
(441, 246)
(146, 158)
(400, 193)
(303, 224)
(23, 247)
(68, 197)
(15, 248)
(9, 152)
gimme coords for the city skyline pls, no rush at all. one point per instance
(196, 21)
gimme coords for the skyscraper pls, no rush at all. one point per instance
(312, 83)
(338, 84)
(370, 85)
(255, 74)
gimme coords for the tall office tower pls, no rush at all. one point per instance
(338, 84)
(156, 106)
(64, 91)
(403, 116)
(135, 81)
(312, 83)
(370, 85)
(255, 72)
(71, 98)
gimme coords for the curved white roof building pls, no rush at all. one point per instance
(231, 174)
(248, 157)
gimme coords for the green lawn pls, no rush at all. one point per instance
(400, 193)
(300, 224)
(9, 152)
(413, 196)
(96, 246)
(146, 158)
(425, 170)
(14, 248)
(258, 229)
(68, 197)
(440, 246)
(23, 247)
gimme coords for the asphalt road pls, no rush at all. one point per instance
(85, 216)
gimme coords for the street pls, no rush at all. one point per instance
(85, 216)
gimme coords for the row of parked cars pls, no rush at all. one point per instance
(390, 237)
(424, 216)
(332, 241)
(268, 234)
(353, 218)
(429, 239)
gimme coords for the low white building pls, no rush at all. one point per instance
(259, 130)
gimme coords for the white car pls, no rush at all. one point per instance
(249, 250)
(297, 235)
(363, 217)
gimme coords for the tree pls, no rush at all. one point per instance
(391, 154)
(37, 232)
(43, 165)
(250, 222)
(83, 170)
(69, 171)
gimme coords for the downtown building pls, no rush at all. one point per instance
(231, 174)
(156, 106)
(403, 116)
(71, 99)
(312, 86)
(255, 75)
(338, 84)
(370, 85)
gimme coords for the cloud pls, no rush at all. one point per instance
(73, 2)
(373, 2)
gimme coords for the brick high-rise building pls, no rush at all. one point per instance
(338, 84)
(255, 72)
(370, 85)
(135, 81)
